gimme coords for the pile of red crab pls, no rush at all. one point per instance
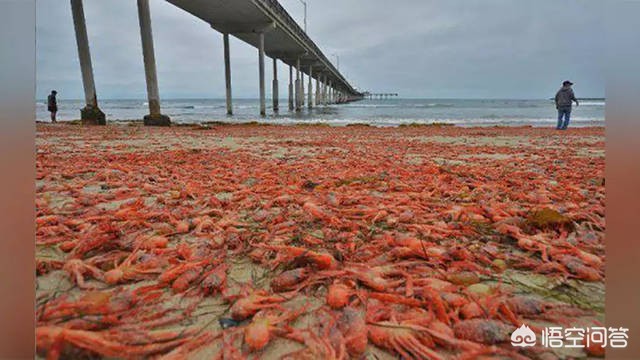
(315, 242)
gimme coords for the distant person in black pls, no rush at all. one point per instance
(52, 105)
(564, 99)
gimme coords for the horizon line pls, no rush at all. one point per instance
(394, 98)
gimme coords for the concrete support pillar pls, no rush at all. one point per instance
(154, 118)
(302, 101)
(291, 88)
(274, 93)
(227, 73)
(310, 88)
(90, 114)
(327, 90)
(298, 87)
(324, 91)
(263, 103)
(318, 90)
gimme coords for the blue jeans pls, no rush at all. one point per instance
(566, 113)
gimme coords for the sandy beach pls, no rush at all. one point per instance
(149, 239)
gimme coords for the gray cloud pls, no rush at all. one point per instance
(453, 48)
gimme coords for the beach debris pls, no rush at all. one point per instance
(546, 218)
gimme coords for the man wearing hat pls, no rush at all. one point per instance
(564, 99)
(52, 105)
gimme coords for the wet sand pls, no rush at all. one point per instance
(439, 175)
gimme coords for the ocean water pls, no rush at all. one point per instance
(391, 112)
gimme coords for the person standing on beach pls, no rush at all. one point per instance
(52, 105)
(564, 99)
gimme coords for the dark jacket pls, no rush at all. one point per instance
(52, 103)
(565, 97)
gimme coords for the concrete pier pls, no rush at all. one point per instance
(376, 96)
(274, 92)
(277, 35)
(284, 40)
(291, 88)
(90, 114)
(227, 73)
(155, 118)
(310, 90)
(263, 104)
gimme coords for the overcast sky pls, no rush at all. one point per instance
(418, 48)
